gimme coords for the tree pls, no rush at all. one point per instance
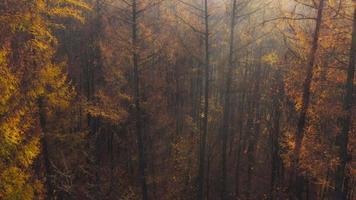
(341, 186)
(306, 98)
(226, 112)
(186, 99)
(33, 78)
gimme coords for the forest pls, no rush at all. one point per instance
(177, 99)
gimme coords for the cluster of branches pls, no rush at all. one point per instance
(181, 99)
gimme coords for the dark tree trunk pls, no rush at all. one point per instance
(305, 103)
(201, 175)
(255, 127)
(137, 99)
(227, 95)
(44, 143)
(241, 139)
(341, 186)
(276, 160)
(94, 64)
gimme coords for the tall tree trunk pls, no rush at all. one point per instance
(94, 63)
(240, 144)
(341, 187)
(44, 143)
(206, 106)
(275, 134)
(305, 102)
(137, 99)
(255, 121)
(226, 112)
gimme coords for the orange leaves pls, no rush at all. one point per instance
(106, 108)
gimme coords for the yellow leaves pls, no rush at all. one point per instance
(29, 152)
(271, 58)
(30, 25)
(11, 134)
(8, 82)
(12, 179)
(37, 44)
(40, 31)
(111, 115)
(105, 108)
(68, 9)
(288, 144)
(332, 2)
(75, 3)
(66, 12)
(14, 185)
(17, 153)
(54, 86)
(10, 130)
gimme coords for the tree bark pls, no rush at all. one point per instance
(276, 160)
(206, 105)
(137, 99)
(341, 187)
(305, 102)
(226, 112)
(255, 129)
(45, 153)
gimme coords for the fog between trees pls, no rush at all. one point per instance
(177, 99)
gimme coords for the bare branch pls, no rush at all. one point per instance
(190, 26)
(150, 6)
(191, 5)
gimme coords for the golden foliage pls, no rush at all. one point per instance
(28, 24)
